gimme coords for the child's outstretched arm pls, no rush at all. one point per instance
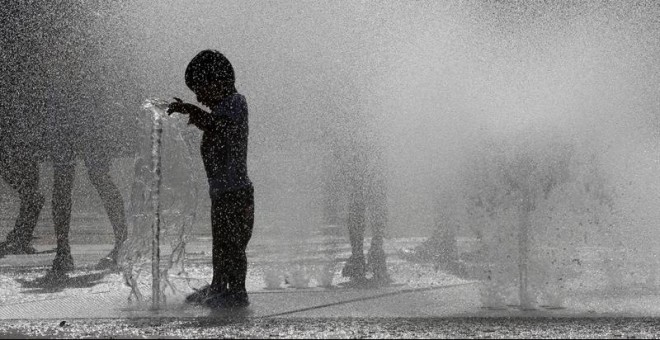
(205, 121)
(183, 108)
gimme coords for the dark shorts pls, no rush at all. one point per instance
(232, 219)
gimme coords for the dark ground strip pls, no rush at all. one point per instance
(214, 327)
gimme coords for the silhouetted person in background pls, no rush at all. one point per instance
(367, 204)
(358, 181)
(224, 153)
(23, 89)
(98, 170)
(89, 116)
(21, 171)
(69, 97)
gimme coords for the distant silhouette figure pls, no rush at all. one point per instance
(359, 182)
(367, 203)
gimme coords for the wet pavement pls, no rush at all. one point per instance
(423, 301)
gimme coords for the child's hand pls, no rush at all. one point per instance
(181, 107)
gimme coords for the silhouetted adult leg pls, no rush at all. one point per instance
(377, 212)
(64, 170)
(22, 174)
(377, 209)
(355, 266)
(98, 170)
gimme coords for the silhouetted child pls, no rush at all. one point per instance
(224, 153)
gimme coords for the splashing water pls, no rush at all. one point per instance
(178, 204)
(551, 220)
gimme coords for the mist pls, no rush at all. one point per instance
(428, 83)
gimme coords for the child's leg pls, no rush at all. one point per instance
(238, 227)
(218, 233)
(218, 284)
(233, 220)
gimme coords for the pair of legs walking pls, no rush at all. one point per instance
(98, 170)
(367, 204)
(232, 221)
(21, 172)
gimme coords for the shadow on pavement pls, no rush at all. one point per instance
(53, 282)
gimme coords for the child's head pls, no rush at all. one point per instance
(210, 76)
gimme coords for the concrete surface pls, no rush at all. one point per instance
(419, 292)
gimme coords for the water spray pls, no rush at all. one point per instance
(156, 143)
(163, 205)
(145, 206)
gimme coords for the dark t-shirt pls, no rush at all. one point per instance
(225, 144)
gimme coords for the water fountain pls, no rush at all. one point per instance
(163, 205)
(532, 127)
